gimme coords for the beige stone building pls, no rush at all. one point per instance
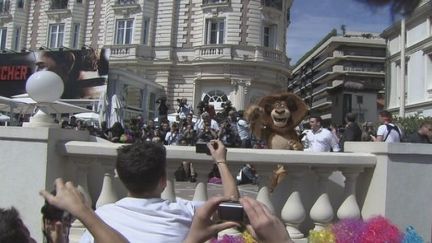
(343, 73)
(212, 50)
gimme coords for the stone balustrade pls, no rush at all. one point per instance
(392, 180)
(313, 193)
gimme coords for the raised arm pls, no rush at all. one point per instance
(70, 199)
(219, 157)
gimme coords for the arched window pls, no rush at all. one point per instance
(215, 98)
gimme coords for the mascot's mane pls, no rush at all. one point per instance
(295, 105)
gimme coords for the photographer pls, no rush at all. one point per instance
(68, 198)
(184, 108)
(143, 216)
(264, 226)
(162, 109)
(227, 134)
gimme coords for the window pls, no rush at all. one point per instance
(215, 31)
(59, 4)
(146, 26)
(4, 6)
(215, 98)
(3, 32)
(20, 3)
(55, 36)
(17, 38)
(124, 31)
(272, 3)
(75, 35)
(269, 36)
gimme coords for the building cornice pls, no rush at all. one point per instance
(422, 12)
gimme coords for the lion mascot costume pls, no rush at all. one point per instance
(274, 119)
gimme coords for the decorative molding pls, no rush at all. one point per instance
(241, 83)
(126, 9)
(58, 14)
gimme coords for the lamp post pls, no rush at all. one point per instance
(44, 87)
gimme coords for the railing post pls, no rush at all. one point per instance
(349, 208)
(322, 211)
(169, 193)
(263, 196)
(200, 192)
(293, 212)
(82, 166)
(108, 193)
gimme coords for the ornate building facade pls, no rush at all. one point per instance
(211, 50)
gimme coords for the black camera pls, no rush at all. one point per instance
(231, 211)
(53, 213)
(201, 147)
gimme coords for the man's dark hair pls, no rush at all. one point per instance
(317, 118)
(350, 117)
(385, 114)
(140, 166)
(11, 227)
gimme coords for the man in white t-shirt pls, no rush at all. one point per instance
(143, 216)
(320, 139)
(387, 132)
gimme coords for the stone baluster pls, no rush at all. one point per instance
(169, 192)
(82, 166)
(200, 192)
(349, 208)
(263, 196)
(108, 193)
(322, 211)
(293, 212)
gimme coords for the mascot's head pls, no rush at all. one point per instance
(283, 112)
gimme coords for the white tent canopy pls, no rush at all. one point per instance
(4, 118)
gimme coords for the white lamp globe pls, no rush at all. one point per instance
(45, 86)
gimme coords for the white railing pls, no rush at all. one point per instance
(313, 193)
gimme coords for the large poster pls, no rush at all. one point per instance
(84, 72)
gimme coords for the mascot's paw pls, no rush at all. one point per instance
(295, 145)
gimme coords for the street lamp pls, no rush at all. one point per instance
(44, 87)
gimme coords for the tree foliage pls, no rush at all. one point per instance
(411, 124)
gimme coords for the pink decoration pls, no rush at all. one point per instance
(348, 230)
(380, 230)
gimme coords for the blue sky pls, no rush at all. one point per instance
(311, 20)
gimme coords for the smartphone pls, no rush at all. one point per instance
(231, 211)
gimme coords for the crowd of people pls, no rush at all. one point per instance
(231, 127)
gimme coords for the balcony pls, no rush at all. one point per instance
(236, 53)
(58, 10)
(126, 7)
(133, 51)
(368, 179)
(208, 4)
